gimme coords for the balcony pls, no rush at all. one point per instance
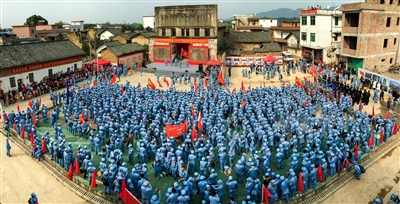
(347, 51)
(337, 46)
(352, 30)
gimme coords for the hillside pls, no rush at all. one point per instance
(276, 13)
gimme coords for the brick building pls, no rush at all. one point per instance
(142, 38)
(247, 23)
(124, 54)
(370, 33)
(38, 31)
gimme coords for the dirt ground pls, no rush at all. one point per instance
(19, 174)
(380, 180)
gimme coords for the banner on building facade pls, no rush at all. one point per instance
(387, 84)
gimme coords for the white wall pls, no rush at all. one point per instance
(38, 75)
(324, 25)
(281, 34)
(267, 23)
(148, 21)
(106, 35)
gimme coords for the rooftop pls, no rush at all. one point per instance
(112, 43)
(249, 37)
(126, 49)
(32, 53)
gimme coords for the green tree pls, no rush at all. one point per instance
(107, 24)
(228, 26)
(148, 29)
(86, 48)
(224, 45)
(146, 47)
(126, 27)
(89, 26)
(35, 19)
(139, 27)
(60, 24)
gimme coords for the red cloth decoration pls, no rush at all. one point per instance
(266, 194)
(70, 172)
(93, 183)
(300, 184)
(320, 174)
(200, 121)
(77, 167)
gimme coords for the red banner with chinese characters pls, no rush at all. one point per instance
(181, 40)
(176, 130)
(33, 67)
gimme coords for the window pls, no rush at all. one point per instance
(336, 21)
(382, 60)
(391, 60)
(382, 1)
(388, 22)
(32, 31)
(182, 32)
(12, 82)
(391, 1)
(31, 79)
(398, 20)
(50, 72)
(312, 20)
(75, 66)
(385, 42)
(163, 32)
(394, 41)
(304, 20)
(197, 32)
(187, 32)
(271, 21)
(207, 32)
(303, 36)
(173, 32)
(312, 37)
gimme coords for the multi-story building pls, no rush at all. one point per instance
(287, 35)
(320, 33)
(149, 21)
(370, 32)
(247, 23)
(37, 31)
(76, 26)
(188, 30)
(267, 23)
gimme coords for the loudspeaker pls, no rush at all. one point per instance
(200, 67)
(186, 71)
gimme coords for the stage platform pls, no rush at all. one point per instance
(161, 69)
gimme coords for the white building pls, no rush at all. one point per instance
(267, 23)
(149, 21)
(76, 26)
(106, 34)
(32, 62)
(320, 33)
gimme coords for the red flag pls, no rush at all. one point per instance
(192, 110)
(176, 130)
(34, 120)
(150, 83)
(382, 135)
(305, 104)
(361, 106)
(23, 132)
(300, 184)
(387, 115)
(221, 78)
(5, 116)
(205, 82)
(243, 88)
(44, 145)
(196, 86)
(373, 111)
(283, 83)
(312, 70)
(15, 125)
(356, 151)
(123, 184)
(77, 167)
(113, 79)
(344, 164)
(340, 95)
(394, 131)
(159, 84)
(320, 70)
(200, 121)
(70, 172)
(122, 89)
(193, 132)
(320, 174)
(298, 82)
(266, 194)
(31, 138)
(371, 141)
(184, 53)
(18, 108)
(166, 81)
(234, 90)
(127, 197)
(40, 102)
(82, 119)
(243, 103)
(30, 104)
(93, 183)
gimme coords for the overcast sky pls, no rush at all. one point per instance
(15, 12)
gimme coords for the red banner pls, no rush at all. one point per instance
(176, 130)
(185, 53)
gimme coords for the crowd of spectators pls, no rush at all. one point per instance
(49, 83)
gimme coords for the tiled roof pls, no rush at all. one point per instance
(126, 49)
(220, 24)
(269, 47)
(148, 34)
(127, 36)
(53, 34)
(249, 37)
(31, 53)
(112, 43)
(114, 31)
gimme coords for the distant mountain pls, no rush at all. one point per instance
(277, 13)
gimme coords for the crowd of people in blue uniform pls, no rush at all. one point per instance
(246, 136)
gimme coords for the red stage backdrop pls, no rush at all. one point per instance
(160, 52)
